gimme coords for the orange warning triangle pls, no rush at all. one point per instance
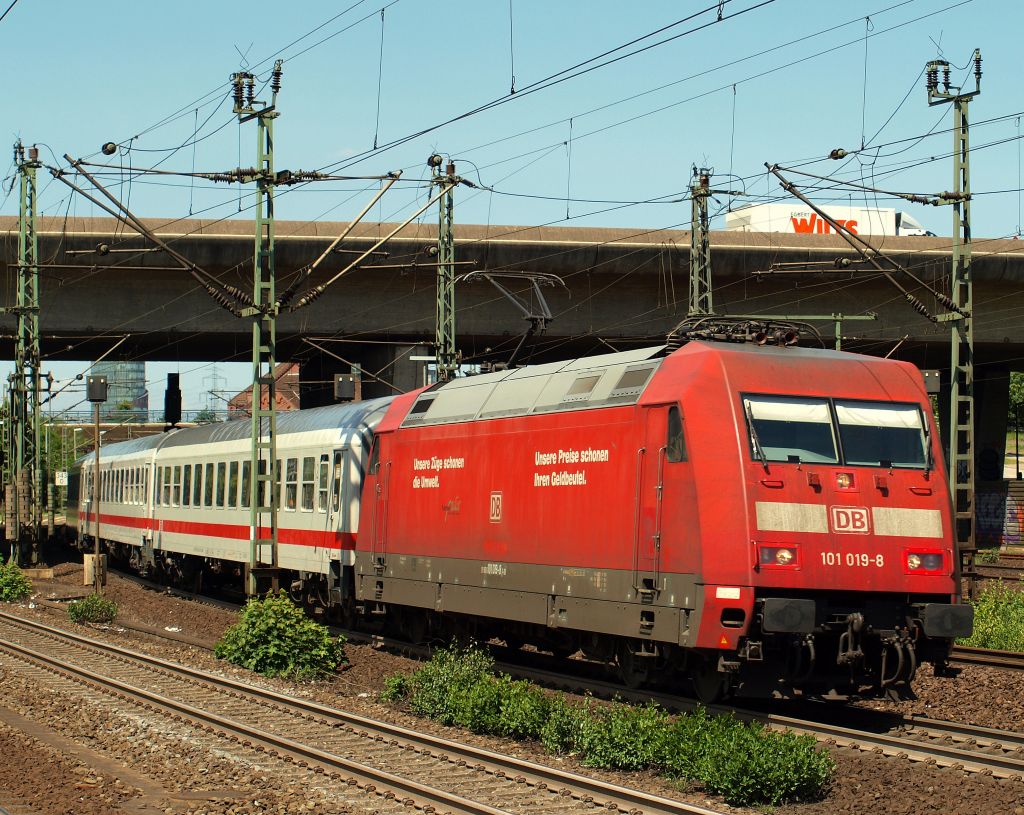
(724, 641)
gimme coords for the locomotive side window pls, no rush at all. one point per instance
(208, 493)
(321, 484)
(675, 444)
(186, 485)
(790, 428)
(291, 483)
(308, 482)
(881, 434)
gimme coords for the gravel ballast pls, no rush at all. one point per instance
(179, 767)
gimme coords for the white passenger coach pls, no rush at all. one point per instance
(187, 492)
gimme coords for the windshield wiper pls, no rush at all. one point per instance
(758, 449)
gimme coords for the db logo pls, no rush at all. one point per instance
(495, 507)
(850, 520)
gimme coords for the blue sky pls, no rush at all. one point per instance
(785, 82)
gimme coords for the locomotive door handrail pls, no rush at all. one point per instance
(660, 492)
(378, 544)
(638, 493)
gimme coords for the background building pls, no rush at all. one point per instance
(126, 387)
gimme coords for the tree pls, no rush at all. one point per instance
(1016, 396)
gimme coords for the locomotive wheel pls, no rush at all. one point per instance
(633, 670)
(710, 684)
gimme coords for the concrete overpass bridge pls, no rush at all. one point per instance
(623, 287)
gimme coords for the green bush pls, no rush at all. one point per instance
(13, 583)
(747, 764)
(524, 709)
(274, 637)
(93, 609)
(396, 688)
(998, 619)
(478, 706)
(437, 690)
(987, 555)
(622, 737)
(566, 725)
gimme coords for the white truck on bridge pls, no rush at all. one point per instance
(798, 218)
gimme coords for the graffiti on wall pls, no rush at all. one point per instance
(1000, 516)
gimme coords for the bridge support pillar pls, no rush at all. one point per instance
(992, 397)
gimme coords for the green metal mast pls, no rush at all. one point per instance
(447, 357)
(24, 480)
(961, 396)
(700, 247)
(263, 464)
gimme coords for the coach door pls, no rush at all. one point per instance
(650, 486)
(330, 473)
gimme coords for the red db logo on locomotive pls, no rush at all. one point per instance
(851, 520)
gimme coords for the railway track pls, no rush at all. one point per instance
(400, 767)
(950, 744)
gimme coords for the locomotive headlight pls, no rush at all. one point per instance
(931, 562)
(919, 561)
(778, 556)
(844, 481)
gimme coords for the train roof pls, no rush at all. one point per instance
(604, 380)
(353, 416)
(627, 378)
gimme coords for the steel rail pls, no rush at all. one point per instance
(988, 657)
(587, 790)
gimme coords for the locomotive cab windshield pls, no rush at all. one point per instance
(798, 429)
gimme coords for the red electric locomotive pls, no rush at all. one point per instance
(764, 518)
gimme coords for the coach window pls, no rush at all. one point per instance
(323, 475)
(675, 444)
(176, 493)
(208, 490)
(291, 483)
(167, 486)
(197, 487)
(277, 485)
(222, 482)
(244, 498)
(233, 484)
(159, 485)
(186, 485)
(308, 482)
